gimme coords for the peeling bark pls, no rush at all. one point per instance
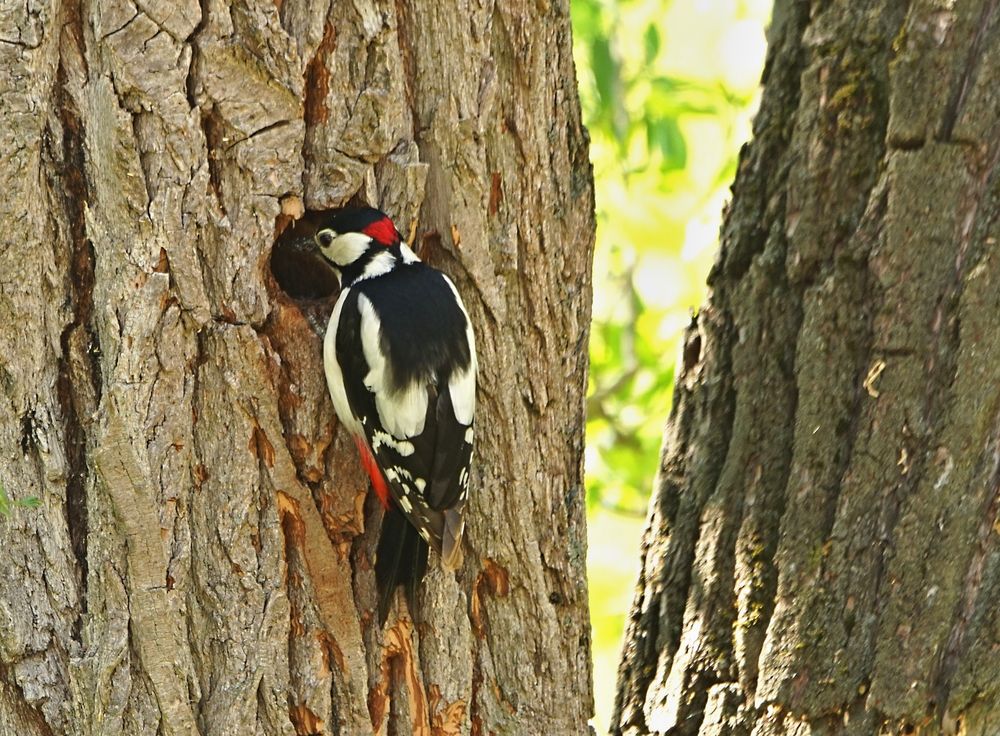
(821, 555)
(201, 559)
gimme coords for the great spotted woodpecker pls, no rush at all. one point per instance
(400, 361)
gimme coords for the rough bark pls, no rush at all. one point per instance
(822, 549)
(201, 559)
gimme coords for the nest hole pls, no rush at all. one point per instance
(297, 266)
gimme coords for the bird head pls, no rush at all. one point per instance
(348, 236)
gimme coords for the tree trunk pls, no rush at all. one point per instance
(822, 551)
(201, 559)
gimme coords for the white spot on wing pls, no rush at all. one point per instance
(469, 434)
(420, 483)
(403, 472)
(402, 447)
(404, 503)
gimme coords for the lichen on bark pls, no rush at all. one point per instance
(821, 553)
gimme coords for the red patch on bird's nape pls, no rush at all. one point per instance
(382, 232)
(374, 472)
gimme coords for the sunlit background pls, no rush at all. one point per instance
(668, 91)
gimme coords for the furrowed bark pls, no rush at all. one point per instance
(821, 555)
(201, 558)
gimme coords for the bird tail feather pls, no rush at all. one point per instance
(400, 559)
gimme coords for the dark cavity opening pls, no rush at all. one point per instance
(296, 264)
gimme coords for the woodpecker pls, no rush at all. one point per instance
(400, 361)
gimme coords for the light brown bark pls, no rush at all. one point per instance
(822, 549)
(201, 559)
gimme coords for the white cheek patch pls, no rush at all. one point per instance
(347, 248)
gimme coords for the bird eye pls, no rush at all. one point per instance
(325, 237)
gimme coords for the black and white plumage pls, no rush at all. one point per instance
(400, 363)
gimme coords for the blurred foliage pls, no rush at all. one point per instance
(665, 133)
(668, 90)
(6, 503)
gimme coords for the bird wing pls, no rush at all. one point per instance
(413, 426)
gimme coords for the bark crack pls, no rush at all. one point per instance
(961, 88)
(941, 679)
(212, 127)
(79, 383)
(316, 89)
(971, 588)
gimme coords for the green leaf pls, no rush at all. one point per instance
(605, 75)
(664, 135)
(651, 43)
(667, 87)
(670, 97)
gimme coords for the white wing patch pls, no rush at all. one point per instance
(463, 383)
(463, 394)
(402, 413)
(395, 472)
(370, 329)
(334, 376)
(402, 447)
